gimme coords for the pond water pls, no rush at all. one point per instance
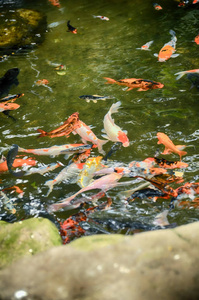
(105, 49)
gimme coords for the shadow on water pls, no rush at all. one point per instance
(103, 49)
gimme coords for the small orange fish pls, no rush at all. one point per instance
(55, 3)
(196, 40)
(42, 82)
(157, 6)
(71, 28)
(133, 83)
(18, 162)
(169, 145)
(8, 106)
(168, 49)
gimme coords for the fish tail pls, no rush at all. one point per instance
(114, 108)
(109, 80)
(42, 132)
(49, 183)
(180, 74)
(172, 32)
(182, 153)
(100, 144)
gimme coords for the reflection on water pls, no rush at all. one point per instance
(104, 49)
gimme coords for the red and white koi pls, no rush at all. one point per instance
(113, 132)
(146, 46)
(88, 135)
(68, 149)
(68, 174)
(157, 6)
(168, 49)
(182, 73)
(101, 17)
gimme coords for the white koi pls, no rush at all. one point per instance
(113, 132)
(146, 46)
(101, 17)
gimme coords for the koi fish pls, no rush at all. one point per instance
(88, 135)
(11, 98)
(71, 28)
(170, 164)
(68, 174)
(42, 82)
(42, 170)
(9, 79)
(169, 146)
(146, 46)
(104, 183)
(18, 162)
(113, 132)
(94, 98)
(55, 24)
(57, 66)
(168, 49)
(55, 3)
(65, 129)
(133, 83)
(182, 73)
(53, 151)
(195, 1)
(101, 17)
(157, 6)
(8, 106)
(196, 40)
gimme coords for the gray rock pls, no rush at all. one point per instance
(26, 238)
(154, 265)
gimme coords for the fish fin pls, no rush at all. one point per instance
(114, 107)
(74, 132)
(155, 54)
(95, 101)
(174, 55)
(166, 151)
(180, 74)
(109, 80)
(105, 136)
(87, 100)
(141, 90)
(129, 89)
(103, 130)
(49, 183)
(42, 132)
(172, 32)
(100, 144)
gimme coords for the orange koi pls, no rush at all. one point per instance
(196, 40)
(65, 129)
(42, 82)
(114, 132)
(182, 73)
(195, 1)
(8, 106)
(71, 28)
(17, 163)
(55, 3)
(16, 188)
(157, 6)
(133, 83)
(168, 49)
(169, 145)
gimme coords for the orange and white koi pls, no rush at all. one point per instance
(169, 145)
(68, 174)
(55, 3)
(146, 46)
(133, 83)
(42, 82)
(8, 106)
(113, 132)
(53, 151)
(196, 40)
(87, 134)
(157, 6)
(104, 183)
(102, 18)
(168, 49)
(182, 73)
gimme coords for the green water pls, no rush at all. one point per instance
(105, 49)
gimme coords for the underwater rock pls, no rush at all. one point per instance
(21, 28)
(160, 264)
(26, 238)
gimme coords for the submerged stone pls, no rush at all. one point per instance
(26, 238)
(21, 28)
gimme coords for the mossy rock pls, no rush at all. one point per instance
(26, 238)
(21, 28)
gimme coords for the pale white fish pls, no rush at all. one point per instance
(68, 174)
(55, 24)
(146, 46)
(101, 17)
(42, 170)
(114, 132)
(161, 219)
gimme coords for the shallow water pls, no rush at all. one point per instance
(105, 49)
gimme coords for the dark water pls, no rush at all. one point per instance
(105, 49)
